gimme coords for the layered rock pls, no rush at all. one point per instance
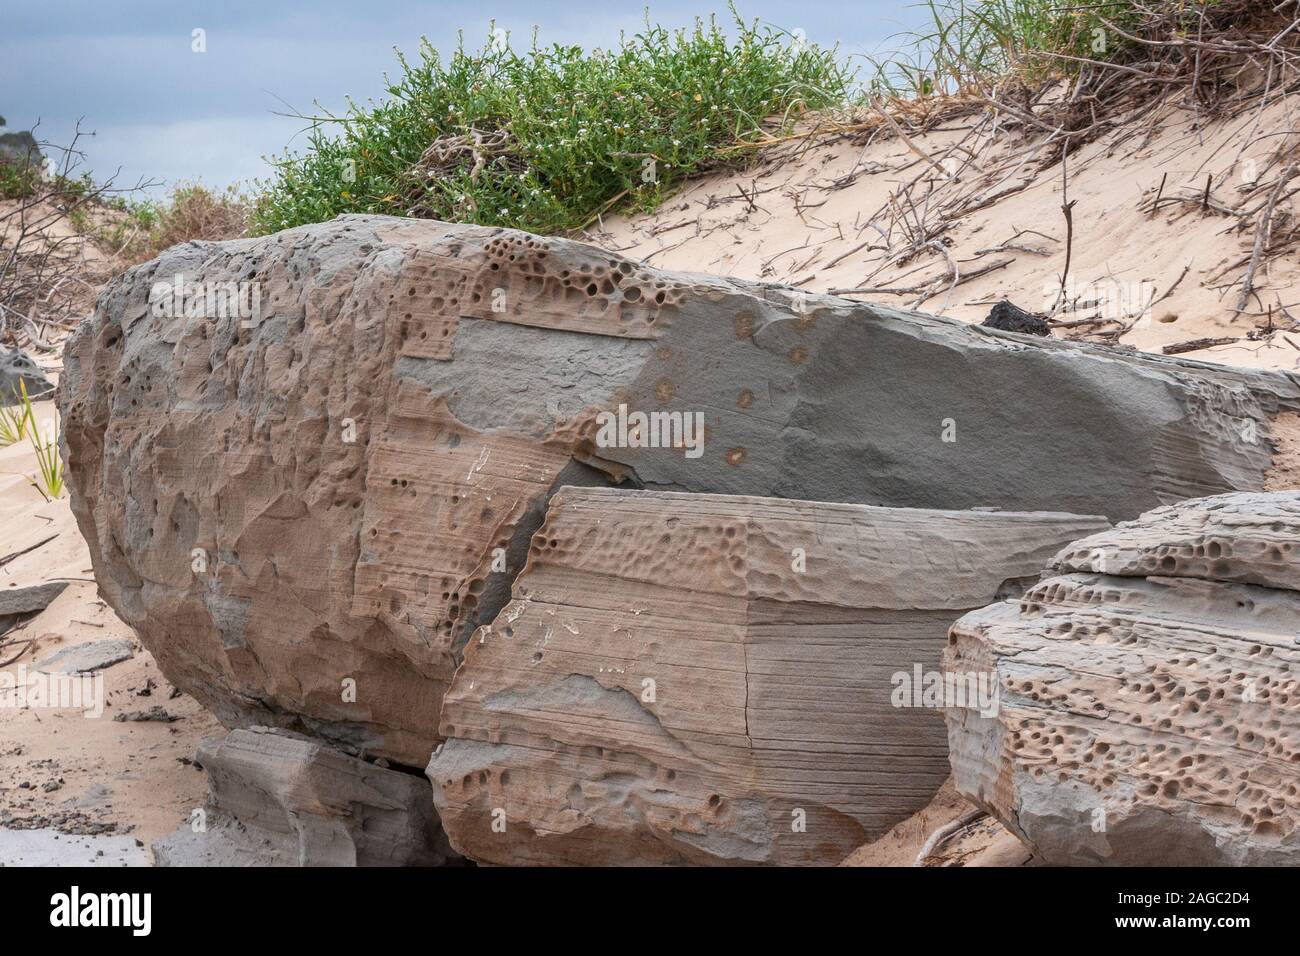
(716, 679)
(280, 799)
(308, 465)
(1147, 710)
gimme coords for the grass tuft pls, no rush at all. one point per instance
(19, 422)
(969, 44)
(49, 476)
(48, 479)
(15, 420)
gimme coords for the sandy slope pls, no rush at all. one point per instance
(817, 215)
(63, 773)
(76, 269)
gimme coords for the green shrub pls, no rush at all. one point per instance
(546, 139)
(17, 180)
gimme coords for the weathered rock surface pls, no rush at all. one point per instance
(1147, 710)
(87, 657)
(684, 678)
(341, 488)
(279, 799)
(26, 599)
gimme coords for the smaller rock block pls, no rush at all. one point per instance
(87, 657)
(29, 599)
(1147, 711)
(280, 799)
(711, 679)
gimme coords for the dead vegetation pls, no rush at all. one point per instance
(1216, 60)
(48, 270)
(192, 213)
(62, 235)
(1118, 76)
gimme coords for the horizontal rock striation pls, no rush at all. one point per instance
(308, 465)
(1148, 693)
(713, 679)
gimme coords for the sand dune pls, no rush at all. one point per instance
(829, 214)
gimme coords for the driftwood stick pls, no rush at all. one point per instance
(1195, 345)
(1261, 239)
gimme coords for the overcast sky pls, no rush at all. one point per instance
(161, 111)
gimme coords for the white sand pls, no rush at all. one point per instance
(799, 223)
(124, 775)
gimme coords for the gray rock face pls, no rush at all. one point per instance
(1146, 693)
(342, 488)
(27, 599)
(16, 366)
(279, 799)
(87, 657)
(716, 679)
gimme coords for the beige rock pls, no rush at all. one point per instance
(1147, 711)
(711, 679)
(305, 513)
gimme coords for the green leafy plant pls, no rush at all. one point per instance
(547, 139)
(49, 477)
(17, 180)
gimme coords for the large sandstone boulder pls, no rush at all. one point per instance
(308, 465)
(1147, 710)
(715, 679)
